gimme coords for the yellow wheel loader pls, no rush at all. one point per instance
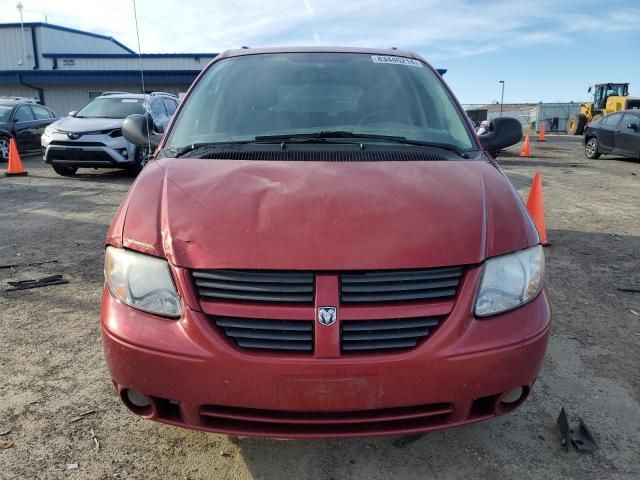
(607, 98)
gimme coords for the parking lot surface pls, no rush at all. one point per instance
(58, 408)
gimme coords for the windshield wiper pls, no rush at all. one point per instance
(313, 137)
(176, 152)
(323, 135)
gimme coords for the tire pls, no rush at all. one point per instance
(142, 156)
(4, 149)
(576, 124)
(65, 171)
(591, 148)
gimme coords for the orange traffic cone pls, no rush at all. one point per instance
(15, 166)
(525, 151)
(535, 205)
(541, 135)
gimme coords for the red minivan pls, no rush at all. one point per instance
(323, 247)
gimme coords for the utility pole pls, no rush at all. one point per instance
(23, 62)
(502, 96)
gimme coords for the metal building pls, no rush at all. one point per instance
(531, 115)
(65, 68)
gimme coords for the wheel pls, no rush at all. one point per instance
(142, 156)
(591, 148)
(65, 171)
(4, 149)
(576, 124)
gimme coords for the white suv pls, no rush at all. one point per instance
(92, 136)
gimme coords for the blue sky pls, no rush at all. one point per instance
(545, 50)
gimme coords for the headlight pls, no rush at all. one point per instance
(50, 130)
(142, 282)
(510, 281)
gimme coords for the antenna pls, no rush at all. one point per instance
(19, 6)
(135, 16)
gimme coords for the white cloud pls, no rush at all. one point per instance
(439, 29)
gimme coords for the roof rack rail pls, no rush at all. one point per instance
(112, 93)
(25, 99)
(164, 93)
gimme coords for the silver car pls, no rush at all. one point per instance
(92, 136)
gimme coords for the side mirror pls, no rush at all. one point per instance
(503, 132)
(632, 126)
(136, 129)
(589, 90)
(73, 113)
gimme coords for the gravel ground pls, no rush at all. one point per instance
(52, 368)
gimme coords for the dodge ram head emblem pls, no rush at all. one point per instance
(327, 315)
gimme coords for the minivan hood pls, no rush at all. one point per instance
(322, 215)
(73, 124)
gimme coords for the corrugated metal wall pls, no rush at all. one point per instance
(17, 91)
(59, 41)
(49, 40)
(12, 49)
(67, 96)
(531, 117)
(546, 111)
(133, 63)
(527, 116)
(45, 63)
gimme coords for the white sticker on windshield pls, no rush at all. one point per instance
(130, 100)
(396, 60)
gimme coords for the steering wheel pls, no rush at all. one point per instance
(388, 113)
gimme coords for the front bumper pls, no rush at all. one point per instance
(193, 378)
(93, 151)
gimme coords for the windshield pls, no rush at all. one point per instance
(5, 113)
(241, 98)
(102, 107)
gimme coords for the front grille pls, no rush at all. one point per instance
(399, 285)
(389, 334)
(66, 143)
(255, 286)
(73, 154)
(254, 333)
(361, 422)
